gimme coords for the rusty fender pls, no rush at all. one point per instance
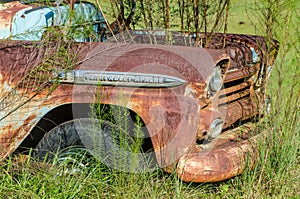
(223, 158)
(193, 65)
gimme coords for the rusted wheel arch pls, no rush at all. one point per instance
(64, 113)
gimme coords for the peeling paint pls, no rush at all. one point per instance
(176, 117)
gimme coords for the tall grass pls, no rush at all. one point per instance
(276, 174)
(278, 169)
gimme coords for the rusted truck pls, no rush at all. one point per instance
(196, 97)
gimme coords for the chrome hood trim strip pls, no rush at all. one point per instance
(123, 79)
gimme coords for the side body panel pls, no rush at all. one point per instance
(29, 90)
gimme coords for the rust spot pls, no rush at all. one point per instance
(239, 74)
(11, 138)
(8, 11)
(173, 116)
(218, 163)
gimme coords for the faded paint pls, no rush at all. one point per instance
(8, 11)
(20, 21)
(175, 117)
(223, 160)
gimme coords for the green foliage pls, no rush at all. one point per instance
(277, 171)
(186, 15)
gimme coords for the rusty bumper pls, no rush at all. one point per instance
(222, 158)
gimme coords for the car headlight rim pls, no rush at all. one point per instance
(215, 82)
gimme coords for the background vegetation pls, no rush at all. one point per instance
(277, 174)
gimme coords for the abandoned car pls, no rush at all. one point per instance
(194, 102)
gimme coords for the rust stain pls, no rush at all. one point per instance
(12, 137)
(239, 110)
(218, 163)
(237, 88)
(207, 116)
(239, 74)
(8, 11)
(175, 117)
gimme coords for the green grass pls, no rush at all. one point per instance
(275, 176)
(242, 17)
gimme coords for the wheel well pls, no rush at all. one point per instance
(68, 112)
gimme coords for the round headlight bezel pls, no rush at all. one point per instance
(215, 82)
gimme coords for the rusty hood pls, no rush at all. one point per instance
(186, 63)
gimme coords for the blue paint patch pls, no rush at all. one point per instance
(49, 18)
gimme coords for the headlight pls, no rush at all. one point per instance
(215, 82)
(216, 128)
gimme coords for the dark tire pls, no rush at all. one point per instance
(99, 138)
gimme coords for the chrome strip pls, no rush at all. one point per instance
(124, 79)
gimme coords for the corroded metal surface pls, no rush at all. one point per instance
(180, 104)
(24, 88)
(8, 11)
(223, 160)
(174, 116)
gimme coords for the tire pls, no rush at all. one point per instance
(100, 139)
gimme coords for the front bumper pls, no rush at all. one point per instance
(223, 158)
